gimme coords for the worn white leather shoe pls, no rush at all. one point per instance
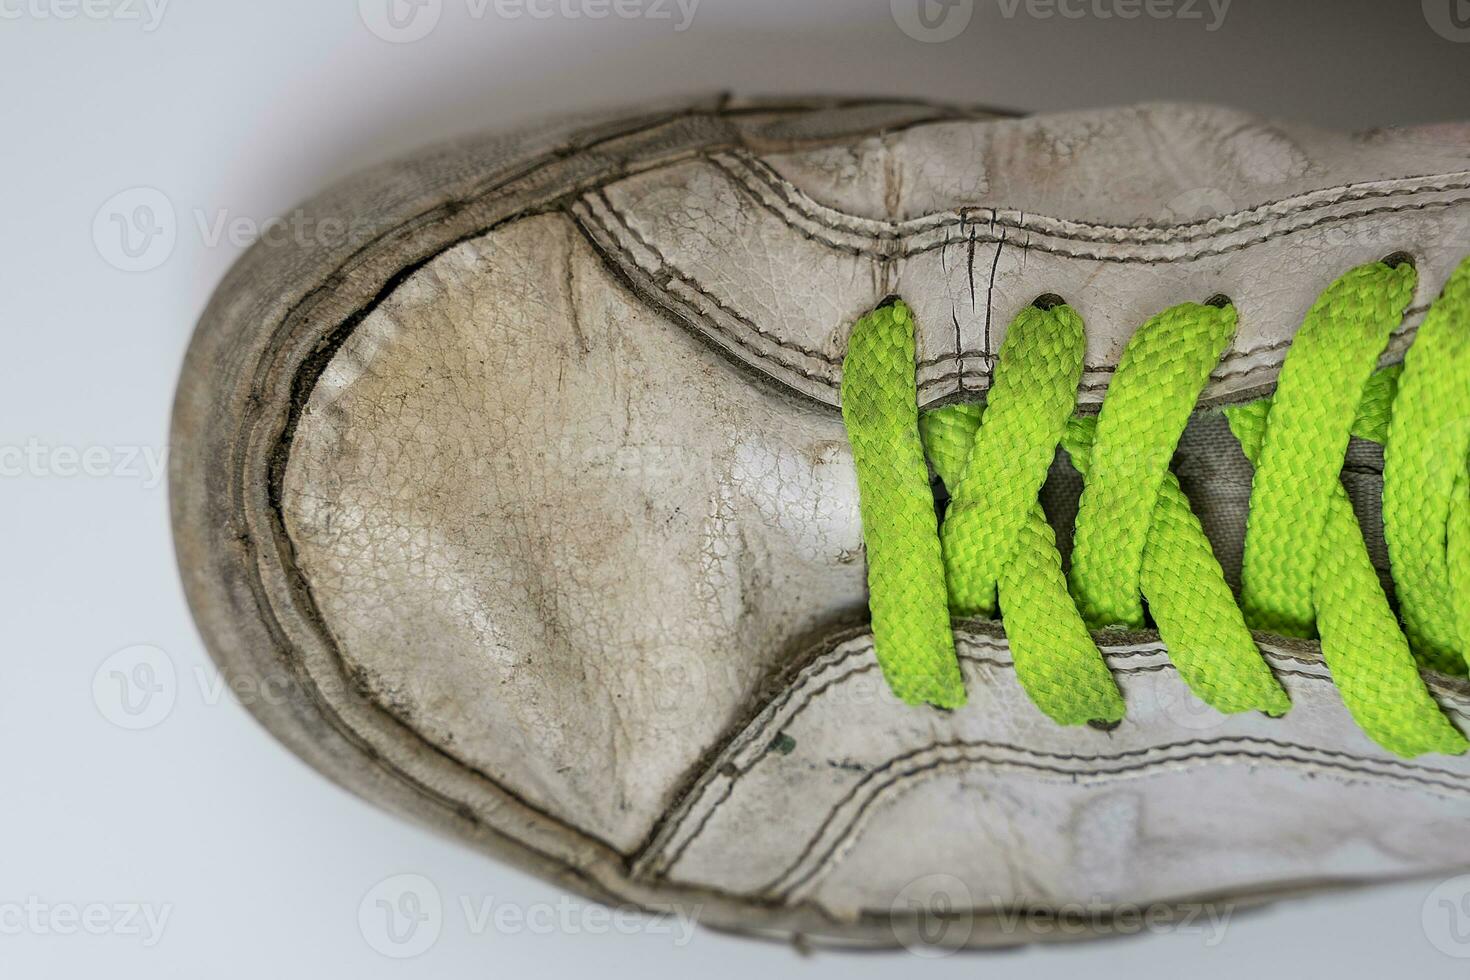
(550, 503)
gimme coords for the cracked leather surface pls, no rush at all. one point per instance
(586, 541)
(572, 494)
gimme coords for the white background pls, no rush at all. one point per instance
(235, 111)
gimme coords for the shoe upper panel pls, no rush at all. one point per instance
(555, 534)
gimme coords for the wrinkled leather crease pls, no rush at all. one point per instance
(531, 513)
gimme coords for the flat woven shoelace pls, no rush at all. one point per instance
(1140, 556)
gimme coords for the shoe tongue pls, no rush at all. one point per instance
(1216, 477)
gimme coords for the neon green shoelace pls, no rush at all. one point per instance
(1140, 556)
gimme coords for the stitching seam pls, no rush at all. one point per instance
(592, 222)
(759, 175)
(621, 253)
(876, 789)
(761, 729)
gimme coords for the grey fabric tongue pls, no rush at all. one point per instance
(1216, 477)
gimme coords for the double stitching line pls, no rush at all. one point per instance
(760, 732)
(757, 176)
